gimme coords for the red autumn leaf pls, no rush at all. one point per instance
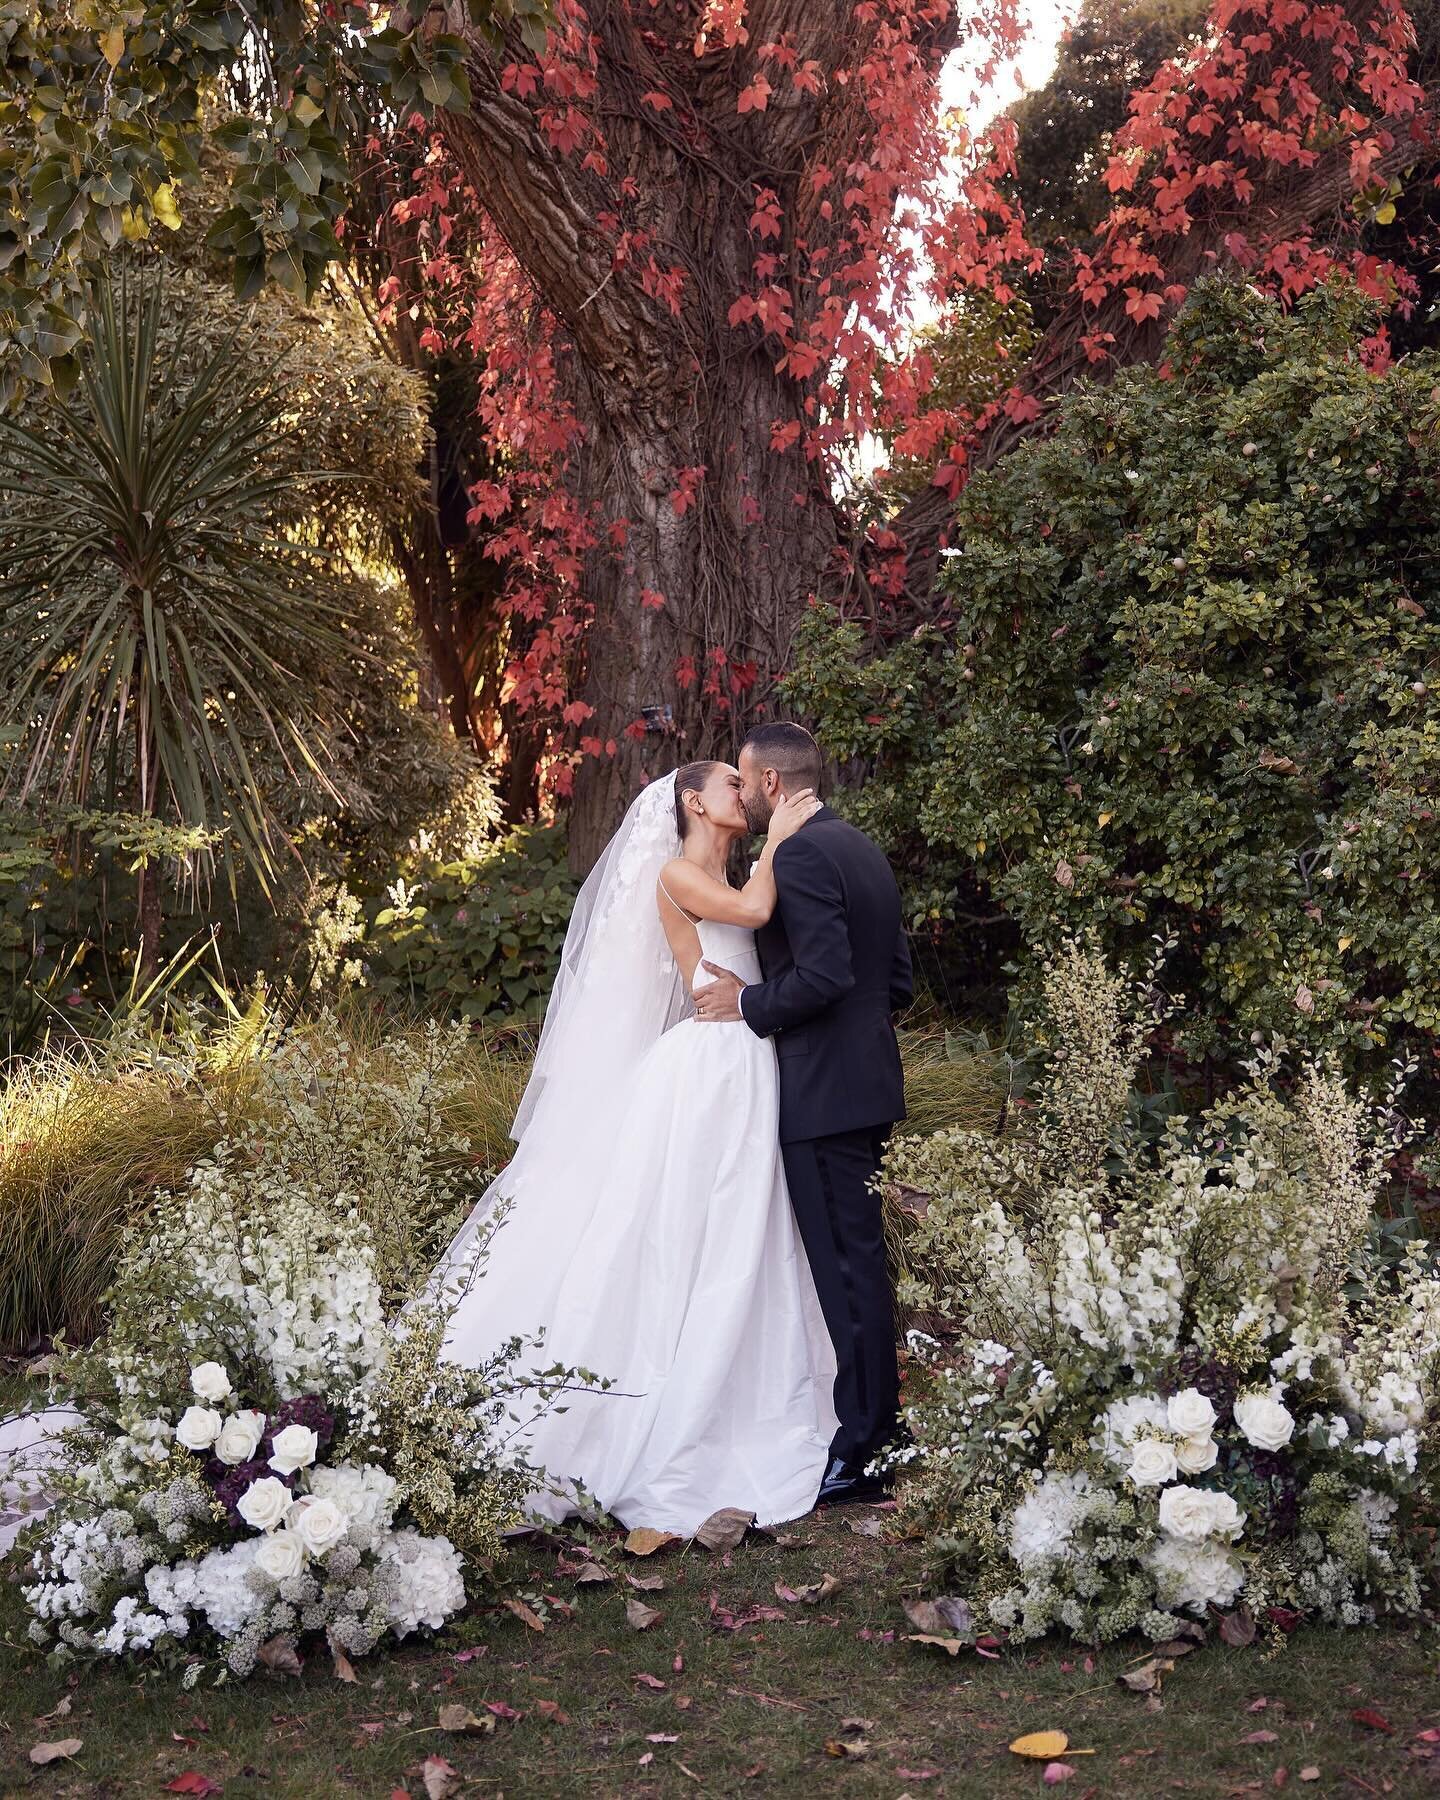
(756, 97)
(661, 102)
(192, 1782)
(1371, 1719)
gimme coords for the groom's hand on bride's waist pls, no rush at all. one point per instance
(719, 1003)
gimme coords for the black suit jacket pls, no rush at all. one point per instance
(836, 968)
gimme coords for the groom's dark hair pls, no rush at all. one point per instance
(790, 751)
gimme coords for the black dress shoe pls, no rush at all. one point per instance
(846, 1482)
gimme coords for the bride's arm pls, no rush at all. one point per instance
(687, 886)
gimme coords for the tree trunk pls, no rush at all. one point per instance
(739, 545)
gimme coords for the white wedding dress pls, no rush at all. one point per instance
(650, 1234)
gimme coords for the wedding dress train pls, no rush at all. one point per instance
(663, 1254)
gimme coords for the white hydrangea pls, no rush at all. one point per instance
(367, 1496)
(1191, 1576)
(427, 1586)
(1041, 1528)
(1125, 1420)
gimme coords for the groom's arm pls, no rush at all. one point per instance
(811, 904)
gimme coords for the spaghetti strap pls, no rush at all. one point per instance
(675, 903)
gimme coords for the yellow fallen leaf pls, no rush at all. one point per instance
(953, 1645)
(1042, 1745)
(1105, 818)
(645, 1542)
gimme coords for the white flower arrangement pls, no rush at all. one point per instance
(1174, 1378)
(272, 1445)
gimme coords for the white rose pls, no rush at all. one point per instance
(281, 1555)
(209, 1381)
(1196, 1454)
(240, 1437)
(319, 1524)
(1190, 1414)
(1226, 1518)
(1265, 1422)
(199, 1427)
(1187, 1512)
(264, 1503)
(293, 1448)
(1152, 1463)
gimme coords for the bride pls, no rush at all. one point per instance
(648, 1229)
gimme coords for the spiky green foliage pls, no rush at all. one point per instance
(160, 629)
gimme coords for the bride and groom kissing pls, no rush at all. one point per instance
(689, 1212)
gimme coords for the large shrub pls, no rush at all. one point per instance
(478, 936)
(1183, 682)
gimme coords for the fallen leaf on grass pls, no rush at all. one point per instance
(1261, 1737)
(502, 1711)
(1258, 1705)
(953, 1645)
(460, 1718)
(60, 1710)
(439, 1776)
(526, 1614)
(787, 1540)
(280, 1655)
(1237, 1628)
(662, 1737)
(645, 1542)
(1371, 1719)
(1310, 1773)
(591, 1574)
(815, 1591)
(1042, 1745)
(1056, 1772)
(850, 1749)
(723, 1530)
(48, 1753)
(550, 1709)
(916, 1774)
(192, 1782)
(650, 1681)
(948, 1616)
(640, 1616)
(648, 1757)
(868, 1528)
(647, 1584)
(344, 1668)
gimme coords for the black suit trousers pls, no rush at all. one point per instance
(841, 1227)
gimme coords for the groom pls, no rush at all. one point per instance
(836, 969)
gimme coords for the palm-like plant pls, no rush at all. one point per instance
(165, 632)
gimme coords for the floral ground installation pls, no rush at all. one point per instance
(271, 1444)
(1176, 1378)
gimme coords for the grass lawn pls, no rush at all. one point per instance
(705, 1702)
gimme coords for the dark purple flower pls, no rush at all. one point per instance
(308, 1410)
(232, 1485)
